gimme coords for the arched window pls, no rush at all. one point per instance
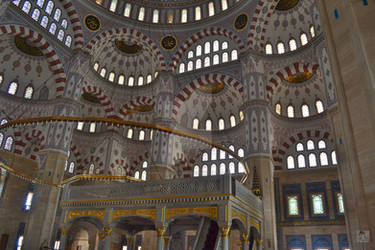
(224, 45)
(232, 168)
(242, 116)
(119, 171)
(216, 59)
(52, 28)
(207, 47)
(323, 159)
(303, 39)
(198, 64)
(213, 170)
(269, 49)
(121, 79)
(319, 106)
(241, 152)
(141, 136)
(278, 108)
(224, 4)
(140, 80)
(197, 13)
(190, 66)
(141, 15)
(208, 125)
(190, 54)
(155, 16)
(225, 57)
(49, 7)
(312, 160)
(131, 81)
(111, 76)
(321, 144)
(1, 79)
(232, 119)
(113, 5)
(241, 168)
(196, 171)
(12, 88)
(145, 164)
(127, 10)
(28, 93)
(16, 2)
(91, 169)
(57, 14)
(80, 126)
(290, 162)
(44, 21)
(204, 170)
(130, 133)
(205, 156)
(234, 55)
(92, 127)
(36, 14)
(149, 78)
(305, 110)
(292, 44)
(231, 147)
(207, 61)
(64, 24)
(71, 167)
(182, 68)
(195, 123)
(3, 121)
(221, 124)
(40, 3)
(222, 168)
(170, 16)
(8, 144)
(1, 138)
(301, 161)
(60, 35)
(290, 111)
(280, 48)
(144, 175)
(213, 154)
(198, 51)
(299, 147)
(136, 175)
(68, 41)
(211, 9)
(215, 46)
(312, 31)
(310, 145)
(222, 155)
(184, 16)
(26, 7)
(334, 158)
(103, 71)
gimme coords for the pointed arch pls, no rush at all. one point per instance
(104, 100)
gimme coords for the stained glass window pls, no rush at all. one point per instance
(215, 46)
(136, 175)
(130, 133)
(1, 138)
(293, 205)
(60, 35)
(310, 145)
(269, 49)
(241, 152)
(196, 171)
(222, 155)
(213, 170)
(231, 168)
(121, 79)
(49, 7)
(211, 9)
(301, 161)
(57, 14)
(144, 175)
(290, 111)
(113, 6)
(305, 110)
(278, 109)
(26, 7)
(198, 64)
(16, 2)
(40, 3)
(321, 144)
(141, 15)
(207, 61)
(68, 41)
(204, 170)
(221, 124)
(224, 4)
(205, 156)
(71, 167)
(303, 39)
(12, 88)
(224, 45)
(319, 106)
(232, 121)
(29, 92)
(64, 23)
(207, 47)
(195, 123)
(149, 78)
(317, 201)
(52, 28)
(127, 10)
(213, 154)
(92, 127)
(334, 158)
(225, 57)
(280, 48)
(292, 44)
(197, 13)
(131, 81)
(312, 160)
(140, 81)
(184, 16)
(190, 66)
(241, 168)
(340, 203)
(155, 17)
(299, 147)
(141, 135)
(323, 159)
(3, 175)
(216, 60)
(222, 168)
(91, 169)
(44, 21)
(35, 15)
(80, 125)
(198, 50)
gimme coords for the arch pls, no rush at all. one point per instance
(209, 78)
(104, 100)
(139, 101)
(284, 73)
(34, 140)
(120, 163)
(50, 54)
(201, 34)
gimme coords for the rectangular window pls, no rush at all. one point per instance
(184, 16)
(141, 15)
(317, 203)
(29, 200)
(340, 203)
(92, 127)
(19, 242)
(293, 209)
(170, 16)
(113, 6)
(197, 13)
(127, 10)
(57, 245)
(80, 125)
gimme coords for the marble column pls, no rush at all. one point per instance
(63, 237)
(167, 242)
(245, 243)
(161, 235)
(224, 236)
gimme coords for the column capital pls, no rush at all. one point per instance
(161, 231)
(245, 238)
(224, 230)
(107, 231)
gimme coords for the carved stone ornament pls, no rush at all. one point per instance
(224, 231)
(161, 231)
(107, 231)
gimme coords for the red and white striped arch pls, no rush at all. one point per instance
(136, 164)
(260, 19)
(199, 36)
(281, 75)
(197, 83)
(76, 23)
(136, 102)
(47, 50)
(74, 151)
(98, 40)
(279, 154)
(104, 100)
(34, 139)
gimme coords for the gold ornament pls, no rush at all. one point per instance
(224, 231)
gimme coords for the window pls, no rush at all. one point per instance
(301, 161)
(130, 133)
(103, 71)
(340, 203)
(221, 124)
(182, 68)
(278, 109)
(155, 17)
(141, 135)
(225, 57)
(35, 15)
(207, 61)
(57, 245)
(127, 9)
(231, 147)
(16, 2)
(317, 202)
(40, 3)
(64, 23)
(269, 49)
(136, 175)
(196, 171)
(92, 127)
(80, 125)
(190, 66)
(241, 168)
(19, 242)
(222, 154)
(170, 16)
(184, 16)
(113, 6)
(213, 170)
(198, 50)
(140, 81)
(224, 45)
(57, 15)
(232, 121)
(319, 106)
(52, 28)
(8, 144)
(231, 168)
(323, 159)
(241, 152)
(1, 142)
(141, 15)
(195, 123)
(215, 46)
(290, 111)
(111, 77)
(121, 79)
(224, 4)
(28, 92)
(211, 9)
(68, 41)
(213, 154)
(242, 115)
(312, 31)
(131, 81)
(310, 145)
(216, 60)
(208, 125)
(12, 88)
(197, 13)
(49, 7)
(292, 44)
(26, 7)
(312, 160)
(3, 121)
(71, 167)
(149, 78)
(145, 164)
(60, 35)
(1, 79)
(207, 48)
(205, 156)
(234, 55)
(293, 209)
(190, 54)
(290, 162)
(280, 48)
(44, 21)
(334, 158)
(299, 147)
(91, 169)
(204, 170)
(222, 168)
(144, 175)
(305, 110)
(321, 144)
(198, 64)
(3, 175)
(303, 39)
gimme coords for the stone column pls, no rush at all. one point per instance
(167, 241)
(63, 237)
(161, 235)
(224, 236)
(105, 237)
(130, 241)
(245, 243)
(349, 34)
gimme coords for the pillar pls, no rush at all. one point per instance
(167, 242)
(63, 236)
(348, 30)
(130, 241)
(105, 237)
(161, 236)
(224, 236)
(245, 243)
